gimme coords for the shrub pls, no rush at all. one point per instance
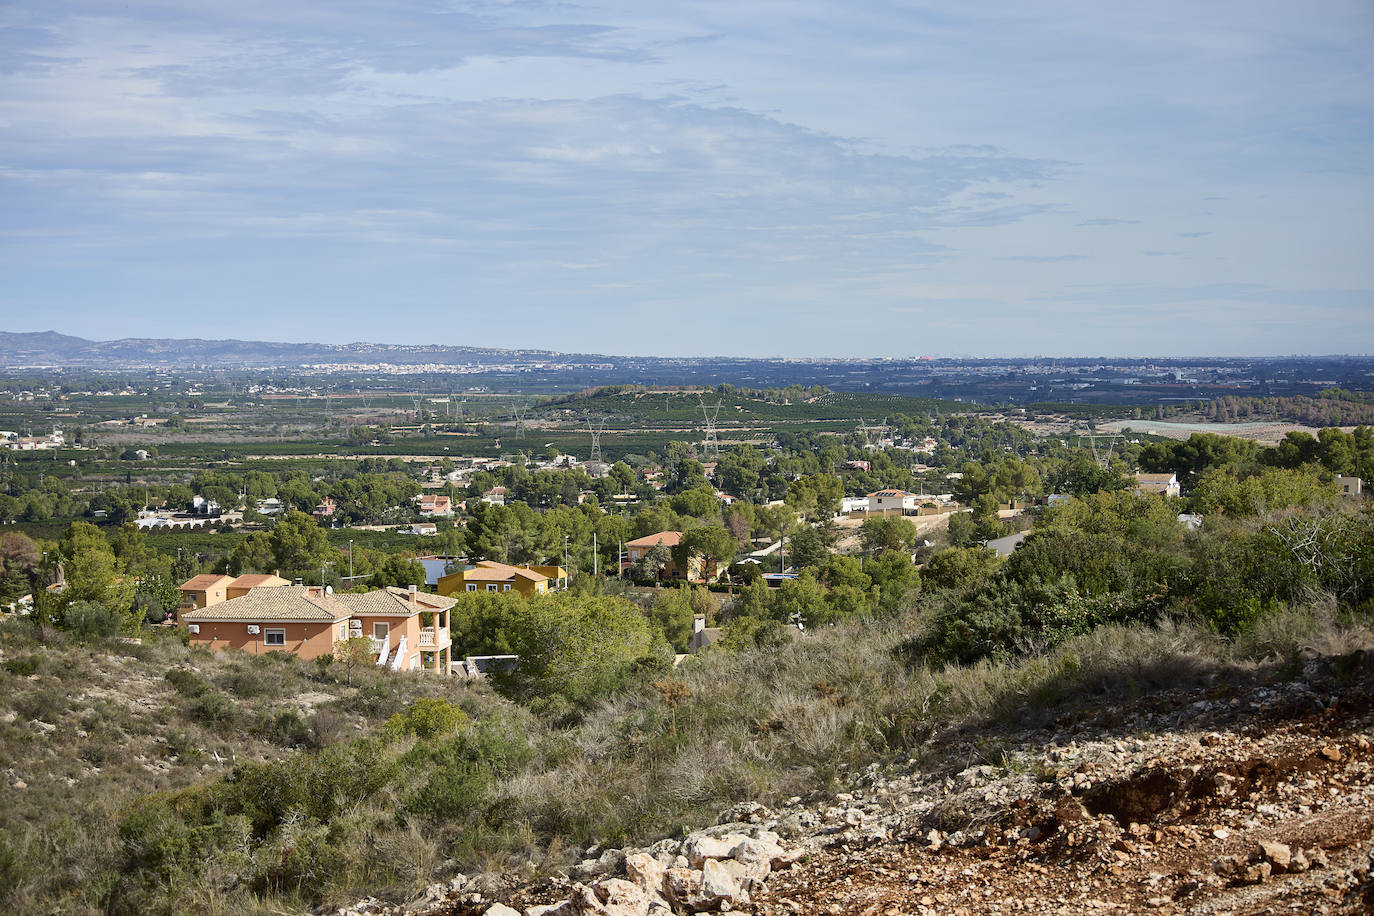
(286, 728)
(91, 620)
(426, 719)
(186, 682)
(23, 665)
(42, 703)
(213, 709)
(249, 681)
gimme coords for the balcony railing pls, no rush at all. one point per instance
(431, 638)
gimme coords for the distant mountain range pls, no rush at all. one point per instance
(51, 349)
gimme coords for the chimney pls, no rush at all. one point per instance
(300, 581)
(698, 622)
(277, 573)
(412, 594)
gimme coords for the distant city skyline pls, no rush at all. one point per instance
(738, 179)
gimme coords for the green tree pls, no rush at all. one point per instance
(961, 529)
(578, 648)
(651, 565)
(887, 533)
(807, 548)
(155, 597)
(671, 612)
(398, 572)
(698, 502)
(959, 567)
(91, 569)
(351, 653)
(298, 543)
(715, 546)
(801, 599)
(19, 562)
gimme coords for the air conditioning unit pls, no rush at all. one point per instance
(193, 628)
(253, 630)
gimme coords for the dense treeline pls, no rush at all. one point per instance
(1333, 450)
(1332, 407)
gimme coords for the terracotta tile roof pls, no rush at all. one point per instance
(890, 494)
(288, 603)
(491, 571)
(205, 581)
(666, 538)
(392, 602)
(257, 580)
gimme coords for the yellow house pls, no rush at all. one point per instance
(209, 589)
(204, 590)
(490, 576)
(249, 581)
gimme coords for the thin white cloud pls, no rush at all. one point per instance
(836, 163)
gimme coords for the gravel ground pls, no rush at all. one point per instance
(1160, 807)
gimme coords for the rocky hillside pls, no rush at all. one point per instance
(1254, 797)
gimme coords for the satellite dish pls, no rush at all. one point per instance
(329, 589)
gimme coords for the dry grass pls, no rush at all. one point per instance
(663, 756)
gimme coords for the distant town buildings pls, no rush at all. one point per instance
(18, 443)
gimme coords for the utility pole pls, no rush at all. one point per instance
(350, 562)
(595, 568)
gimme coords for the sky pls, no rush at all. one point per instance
(743, 178)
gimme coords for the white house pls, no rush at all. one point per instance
(892, 501)
(853, 504)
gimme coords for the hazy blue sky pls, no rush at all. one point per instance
(751, 178)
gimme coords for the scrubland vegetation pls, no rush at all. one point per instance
(158, 779)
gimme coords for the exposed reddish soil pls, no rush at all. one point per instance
(1148, 831)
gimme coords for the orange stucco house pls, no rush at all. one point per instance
(408, 630)
(639, 548)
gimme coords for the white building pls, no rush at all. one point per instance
(897, 501)
(853, 504)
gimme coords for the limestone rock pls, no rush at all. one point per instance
(719, 886)
(619, 897)
(645, 871)
(711, 888)
(701, 847)
(1276, 854)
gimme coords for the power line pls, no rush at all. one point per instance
(710, 446)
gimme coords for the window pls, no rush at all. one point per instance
(492, 587)
(272, 637)
(380, 630)
(506, 588)
(472, 586)
(343, 631)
